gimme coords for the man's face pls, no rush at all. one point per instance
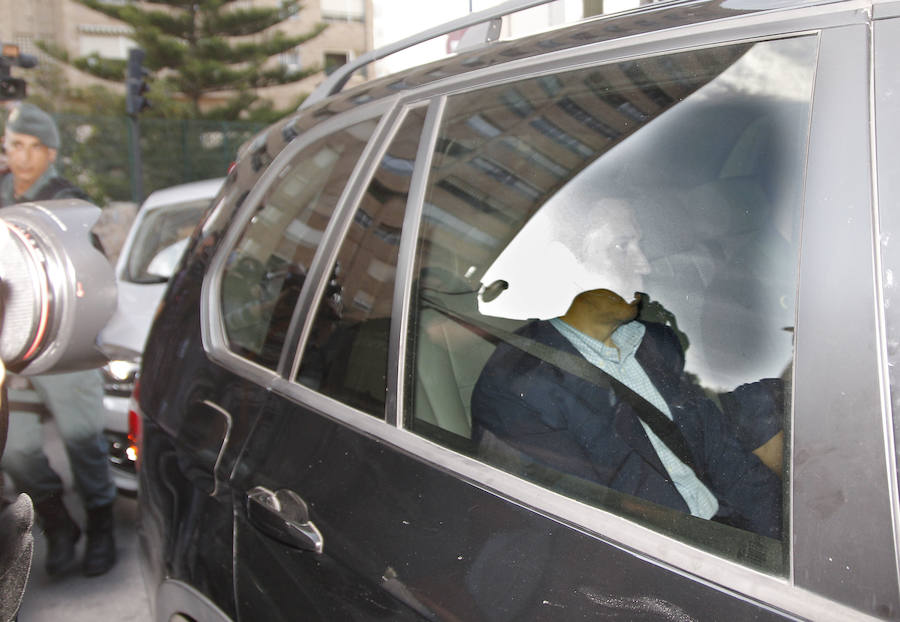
(609, 307)
(611, 252)
(28, 157)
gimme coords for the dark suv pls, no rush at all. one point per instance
(597, 323)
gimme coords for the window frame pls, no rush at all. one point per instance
(333, 240)
(886, 127)
(326, 255)
(839, 194)
(607, 523)
(813, 590)
(214, 335)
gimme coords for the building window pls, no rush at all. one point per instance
(104, 41)
(344, 10)
(291, 60)
(333, 60)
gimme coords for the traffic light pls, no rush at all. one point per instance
(136, 85)
(13, 88)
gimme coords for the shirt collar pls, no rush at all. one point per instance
(627, 338)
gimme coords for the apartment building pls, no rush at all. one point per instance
(81, 31)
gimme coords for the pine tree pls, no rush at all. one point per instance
(195, 48)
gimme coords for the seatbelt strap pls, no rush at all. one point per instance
(664, 428)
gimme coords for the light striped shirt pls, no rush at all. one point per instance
(620, 363)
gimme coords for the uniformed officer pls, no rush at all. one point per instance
(31, 143)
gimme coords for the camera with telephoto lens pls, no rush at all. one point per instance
(57, 288)
(10, 56)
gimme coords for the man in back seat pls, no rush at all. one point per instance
(603, 396)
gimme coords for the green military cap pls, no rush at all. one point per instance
(29, 119)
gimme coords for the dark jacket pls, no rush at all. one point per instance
(573, 426)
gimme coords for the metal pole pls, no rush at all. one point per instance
(187, 174)
(137, 169)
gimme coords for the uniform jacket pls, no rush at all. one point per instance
(48, 186)
(576, 427)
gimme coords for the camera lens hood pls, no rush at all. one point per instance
(57, 289)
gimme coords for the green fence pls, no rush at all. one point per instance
(96, 152)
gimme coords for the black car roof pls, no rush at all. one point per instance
(649, 18)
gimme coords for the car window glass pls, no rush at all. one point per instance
(606, 275)
(160, 240)
(266, 270)
(347, 350)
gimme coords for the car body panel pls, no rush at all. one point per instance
(194, 514)
(124, 335)
(399, 531)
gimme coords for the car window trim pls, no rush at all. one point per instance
(886, 156)
(409, 242)
(303, 317)
(835, 489)
(320, 270)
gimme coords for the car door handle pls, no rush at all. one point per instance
(284, 516)
(203, 438)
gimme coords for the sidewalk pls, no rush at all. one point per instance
(118, 595)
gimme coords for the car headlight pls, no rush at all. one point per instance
(123, 370)
(119, 375)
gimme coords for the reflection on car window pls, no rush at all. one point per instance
(267, 268)
(606, 282)
(162, 236)
(347, 351)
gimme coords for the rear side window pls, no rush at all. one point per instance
(266, 270)
(347, 351)
(606, 277)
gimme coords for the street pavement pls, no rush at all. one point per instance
(118, 595)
